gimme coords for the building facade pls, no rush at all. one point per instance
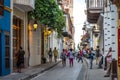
(91, 28)
(68, 31)
(117, 4)
(107, 24)
(20, 30)
(5, 34)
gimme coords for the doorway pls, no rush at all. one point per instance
(17, 38)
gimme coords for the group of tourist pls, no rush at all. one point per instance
(90, 54)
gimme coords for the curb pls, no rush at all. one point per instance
(37, 73)
(86, 73)
(83, 75)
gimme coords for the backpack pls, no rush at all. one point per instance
(63, 55)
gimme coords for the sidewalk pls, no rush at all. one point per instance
(30, 72)
(95, 73)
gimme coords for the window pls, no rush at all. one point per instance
(1, 7)
(7, 50)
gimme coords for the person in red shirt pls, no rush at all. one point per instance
(80, 54)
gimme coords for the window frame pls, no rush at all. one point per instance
(1, 7)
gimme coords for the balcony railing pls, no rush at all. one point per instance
(94, 3)
(26, 5)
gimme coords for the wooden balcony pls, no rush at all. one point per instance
(93, 14)
(26, 5)
(94, 8)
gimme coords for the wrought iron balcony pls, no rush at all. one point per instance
(26, 5)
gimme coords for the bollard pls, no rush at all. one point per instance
(114, 69)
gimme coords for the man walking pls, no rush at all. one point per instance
(55, 52)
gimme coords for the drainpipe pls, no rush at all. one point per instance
(11, 37)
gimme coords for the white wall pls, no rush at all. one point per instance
(110, 30)
(35, 47)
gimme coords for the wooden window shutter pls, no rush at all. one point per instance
(1, 7)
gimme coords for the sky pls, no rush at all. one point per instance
(79, 18)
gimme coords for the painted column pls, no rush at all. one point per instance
(107, 30)
(114, 18)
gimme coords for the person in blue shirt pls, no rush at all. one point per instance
(91, 57)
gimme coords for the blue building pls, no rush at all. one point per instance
(5, 24)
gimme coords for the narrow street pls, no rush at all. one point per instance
(61, 73)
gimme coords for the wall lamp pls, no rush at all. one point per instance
(35, 25)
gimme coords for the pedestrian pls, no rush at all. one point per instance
(80, 55)
(50, 55)
(71, 57)
(55, 52)
(101, 60)
(98, 55)
(91, 57)
(63, 57)
(84, 52)
(20, 59)
(109, 61)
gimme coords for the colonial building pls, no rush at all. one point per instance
(21, 35)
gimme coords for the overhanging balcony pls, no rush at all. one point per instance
(93, 14)
(26, 5)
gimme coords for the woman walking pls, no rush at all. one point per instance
(63, 57)
(71, 57)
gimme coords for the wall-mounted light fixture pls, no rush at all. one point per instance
(47, 32)
(35, 25)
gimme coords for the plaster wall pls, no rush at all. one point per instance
(110, 30)
(35, 47)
